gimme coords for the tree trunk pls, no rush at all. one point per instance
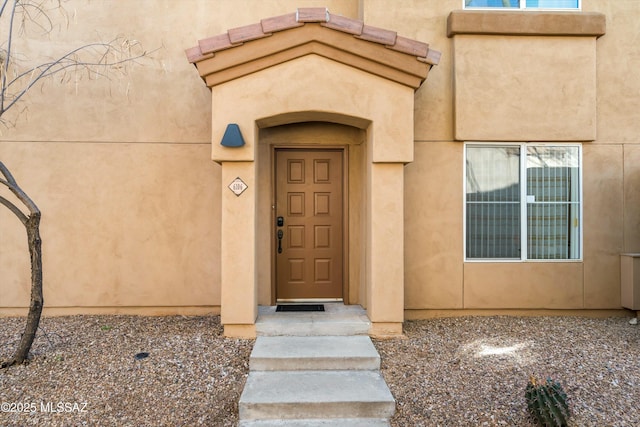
(32, 226)
(37, 299)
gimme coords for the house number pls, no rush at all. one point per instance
(237, 186)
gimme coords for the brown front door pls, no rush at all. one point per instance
(309, 224)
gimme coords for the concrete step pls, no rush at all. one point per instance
(326, 422)
(315, 395)
(313, 353)
(336, 320)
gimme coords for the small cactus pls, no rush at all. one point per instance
(547, 402)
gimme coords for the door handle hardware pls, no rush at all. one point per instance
(280, 221)
(280, 235)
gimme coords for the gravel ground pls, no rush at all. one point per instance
(472, 371)
(192, 376)
(468, 371)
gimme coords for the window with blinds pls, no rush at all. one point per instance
(522, 202)
(523, 4)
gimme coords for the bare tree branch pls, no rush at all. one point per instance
(13, 208)
(11, 181)
(96, 59)
(7, 60)
(15, 189)
(59, 66)
(32, 13)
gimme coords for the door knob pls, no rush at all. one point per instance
(280, 234)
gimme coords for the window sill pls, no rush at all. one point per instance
(526, 23)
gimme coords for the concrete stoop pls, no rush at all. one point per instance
(314, 353)
(316, 394)
(317, 380)
(342, 422)
(338, 319)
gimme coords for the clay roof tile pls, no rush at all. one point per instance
(194, 54)
(378, 35)
(433, 57)
(280, 23)
(246, 33)
(312, 14)
(237, 36)
(346, 25)
(410, 46)
(216, 43)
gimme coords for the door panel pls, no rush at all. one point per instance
(309, 196)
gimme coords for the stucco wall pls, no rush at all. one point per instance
(536, 88)
(123, 225)
(130, 198)
(120, 165)
(615, 199)
(437, 276)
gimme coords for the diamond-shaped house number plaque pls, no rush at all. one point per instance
(237, 186)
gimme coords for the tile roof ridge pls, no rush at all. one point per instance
(309, 15)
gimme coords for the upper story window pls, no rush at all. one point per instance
(523, 202)
(523, 4)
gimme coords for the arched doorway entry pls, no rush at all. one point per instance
(311, 175)
(289, 83)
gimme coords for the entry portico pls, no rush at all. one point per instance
(314, 80)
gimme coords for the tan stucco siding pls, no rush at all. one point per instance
(123, 224)
(618, 62)
(285, 88)
(238, 219)
(433, 227)
(122, 168)
(424, 20)
(384, 301)
(159, 99)
(523, 285)
(533, 88)
(631, 214)
(603, 224)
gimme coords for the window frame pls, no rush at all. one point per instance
(523, 201)
(523, 6)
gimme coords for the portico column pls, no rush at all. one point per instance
(238, 251)
(385, 294)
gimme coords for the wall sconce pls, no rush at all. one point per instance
(232, 137)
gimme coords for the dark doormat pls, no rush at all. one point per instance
(300, 307)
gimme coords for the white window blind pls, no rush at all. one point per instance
(522, 193)
(493, 202)
(552, 202)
